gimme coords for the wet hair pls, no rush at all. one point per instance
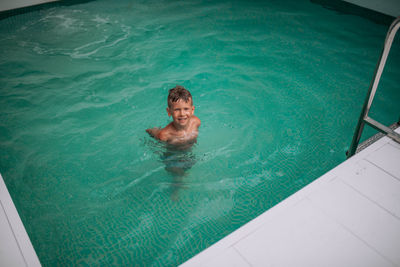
(177, 93)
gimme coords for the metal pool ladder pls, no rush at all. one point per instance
(371, 93)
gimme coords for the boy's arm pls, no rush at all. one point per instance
(158, 133)
(163, 135)
(153, 132)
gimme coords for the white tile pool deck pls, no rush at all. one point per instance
(348, 217)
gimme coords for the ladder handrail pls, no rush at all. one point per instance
(371, 94)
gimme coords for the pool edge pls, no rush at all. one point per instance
(16, 247)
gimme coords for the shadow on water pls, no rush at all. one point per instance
(178, 160)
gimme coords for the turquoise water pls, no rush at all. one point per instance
(278, 86)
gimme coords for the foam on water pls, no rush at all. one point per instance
(278, 86)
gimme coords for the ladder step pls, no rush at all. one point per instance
(382, 128)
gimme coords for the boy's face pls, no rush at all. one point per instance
(181, 112)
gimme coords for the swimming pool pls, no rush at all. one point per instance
(278, 86)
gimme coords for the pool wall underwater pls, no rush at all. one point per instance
(92, 188)
(10, 4)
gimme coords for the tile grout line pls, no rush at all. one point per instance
(13, 234)
(369, 199)
(240, 254)
(350, 231)
(380, 168)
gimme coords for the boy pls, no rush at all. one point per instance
(184, 126)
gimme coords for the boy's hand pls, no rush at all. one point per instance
(153, 131)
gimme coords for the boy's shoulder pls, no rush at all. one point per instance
(196, 120)
(165, 133)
